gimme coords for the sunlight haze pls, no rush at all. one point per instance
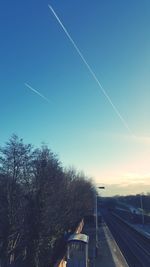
(49, 95)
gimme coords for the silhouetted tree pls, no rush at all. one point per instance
(39, 201)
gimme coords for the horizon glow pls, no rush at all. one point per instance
(80, 125)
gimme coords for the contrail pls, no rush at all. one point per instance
(92, 72)
(37, 92)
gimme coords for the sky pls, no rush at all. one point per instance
(71, 114)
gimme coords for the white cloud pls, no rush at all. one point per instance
(125, 189)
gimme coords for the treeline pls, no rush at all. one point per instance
(39, 203)
(137, 200)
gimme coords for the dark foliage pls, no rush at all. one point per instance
(138, 201)
(39, 202)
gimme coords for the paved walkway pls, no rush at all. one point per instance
(109, 255)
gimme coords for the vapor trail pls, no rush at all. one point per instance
(37, 92)
(92, 72)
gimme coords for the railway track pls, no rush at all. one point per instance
(134, 246)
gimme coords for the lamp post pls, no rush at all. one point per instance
(141, 200)
(96, 213)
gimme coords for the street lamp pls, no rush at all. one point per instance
(96, 211)
(142, 211)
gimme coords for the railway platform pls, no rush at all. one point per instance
(108, 253)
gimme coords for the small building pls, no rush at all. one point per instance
(77, 250)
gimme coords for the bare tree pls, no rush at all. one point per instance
(15, 159)
(39, 202)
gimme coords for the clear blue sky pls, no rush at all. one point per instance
(79, 124)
